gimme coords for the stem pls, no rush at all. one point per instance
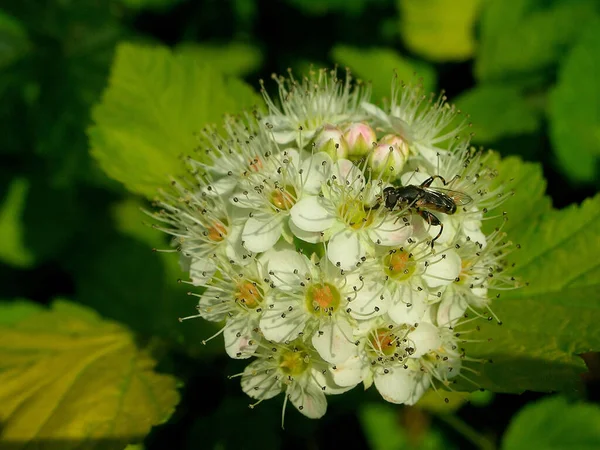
(477, 439)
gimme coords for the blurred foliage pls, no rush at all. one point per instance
(439, 30)
(525, 71)
(554, 423)
(155, 104)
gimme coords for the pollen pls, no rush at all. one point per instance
(294, 362)
(248, 295)
(284, 198)
(354, 214)
(217, 232)
(322, 298)
(399, 265)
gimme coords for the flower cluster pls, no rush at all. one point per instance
(340, 243)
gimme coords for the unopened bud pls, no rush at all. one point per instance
(388, 156)
(330, 140)
(360, 138)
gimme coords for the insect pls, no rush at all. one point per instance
(424, 199)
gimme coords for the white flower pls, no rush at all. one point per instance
(309, 299)
(319, 99)
(295, 369)
(340, 243)
(422, 121)
(345, 214)
(203, 226)
(268, 195)
(390, 356)
(236, 294)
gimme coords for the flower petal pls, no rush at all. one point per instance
(333, 341)
(402, 385)
(392, 231)
(424, 338)
(345, 249)
(315, 170)
(311, 214)
(261, 233)
(279, 323)
(450, 309)
(368, 299)
(314, 237)
(286, 267)
(202, 270)
(308, 399)
(240, 339)
(408, 305)
(349, 372)
(324, 378)
(259, 381)
(442, 269)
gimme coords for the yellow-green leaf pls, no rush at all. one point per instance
(439, 30)
(236, 58)
(155, 103)
(377, 65)
(12, 246)
(70, 378)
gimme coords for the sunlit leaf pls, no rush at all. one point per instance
(13, 250)
(439, 30)
(69, 379)
(575, 109)
(155, 103)
(377, 65)
(554, 423)
(232, 59)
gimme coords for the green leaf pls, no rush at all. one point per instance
(16, 310)
(14, 43)
(497, 111)
(154, 104)
(232, 59)
(378, 64)
(439, 30)
(575, 109)
(12, 246)
(554, 422)
(383, 430)
(69, 377)
(523, 36)
(553, 319)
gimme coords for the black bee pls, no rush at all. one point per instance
(424, 199)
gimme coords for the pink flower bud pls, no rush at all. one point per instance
(330, 140)
(388, 156)
(360, 138)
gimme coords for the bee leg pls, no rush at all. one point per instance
(432, 220)
(430, 180)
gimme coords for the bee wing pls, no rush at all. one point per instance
(460, 198)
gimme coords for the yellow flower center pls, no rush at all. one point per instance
(322, 299)
(217, 232)
(283, 198)
(354, 214)
(294, 362)
(383, 341)
(399, 265)
(248, 294)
